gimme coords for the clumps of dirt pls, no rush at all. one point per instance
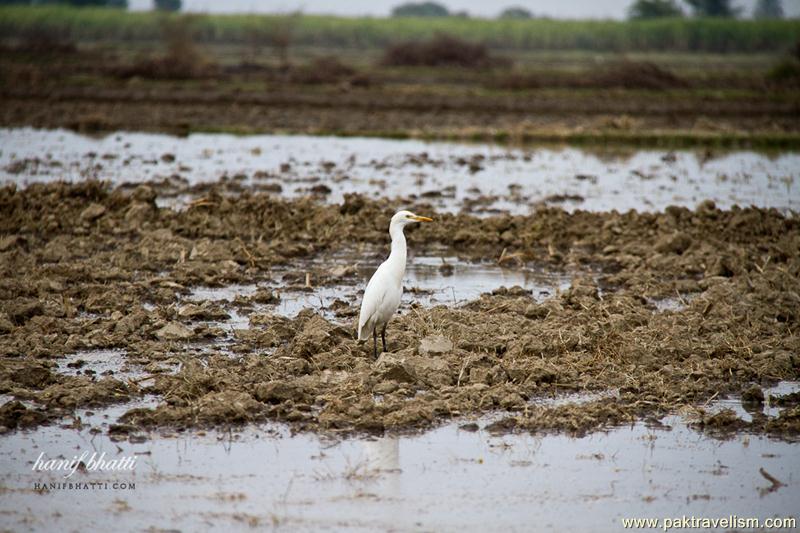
(787, 423)
(86, 267)
(202, 311)
(577, 420)
(442, 50)
(15, 415)
(561, 198)
(753, 396)
(80, 391)
(791, 399)
(724, 424)
(319, 378)
(721, 424)
(213, 409)
(54, 395)
(501, 352)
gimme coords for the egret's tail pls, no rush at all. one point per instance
(364, 332)
(365, 327)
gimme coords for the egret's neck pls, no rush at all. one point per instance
(397, 259)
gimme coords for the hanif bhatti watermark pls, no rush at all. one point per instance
(85, 462)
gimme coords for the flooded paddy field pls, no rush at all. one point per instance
(630, 347)
(452, 177)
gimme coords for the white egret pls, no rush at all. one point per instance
(382, 296)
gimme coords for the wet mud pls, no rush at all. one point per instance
(88, 267)
(620, 116)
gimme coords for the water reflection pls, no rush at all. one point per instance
(266, 475)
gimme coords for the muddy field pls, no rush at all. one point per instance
(603, 329)
(106, 87)
(549, 117)
(664, 312)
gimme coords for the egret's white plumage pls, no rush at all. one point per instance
(385, 288)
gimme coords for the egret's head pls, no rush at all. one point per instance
(403, 218)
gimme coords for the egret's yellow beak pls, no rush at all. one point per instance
(422, 219)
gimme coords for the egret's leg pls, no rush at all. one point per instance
(375, 343)
(383, 338)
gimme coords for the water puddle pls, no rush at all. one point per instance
(673, 303)
(574, 398)
(482, 179)
(265, 477)
(426, 284)
(99, 363)
(227, 293)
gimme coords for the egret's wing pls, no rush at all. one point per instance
(374, 295)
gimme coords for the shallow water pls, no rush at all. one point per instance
(99, 362)
(447, 479)
(500, 179)
(425, 284)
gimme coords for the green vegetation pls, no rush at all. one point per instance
(768, 9)
(713, 8)
(168, 5)
(651, 9)
(515, 13)
(422, 9)
(696, 35)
